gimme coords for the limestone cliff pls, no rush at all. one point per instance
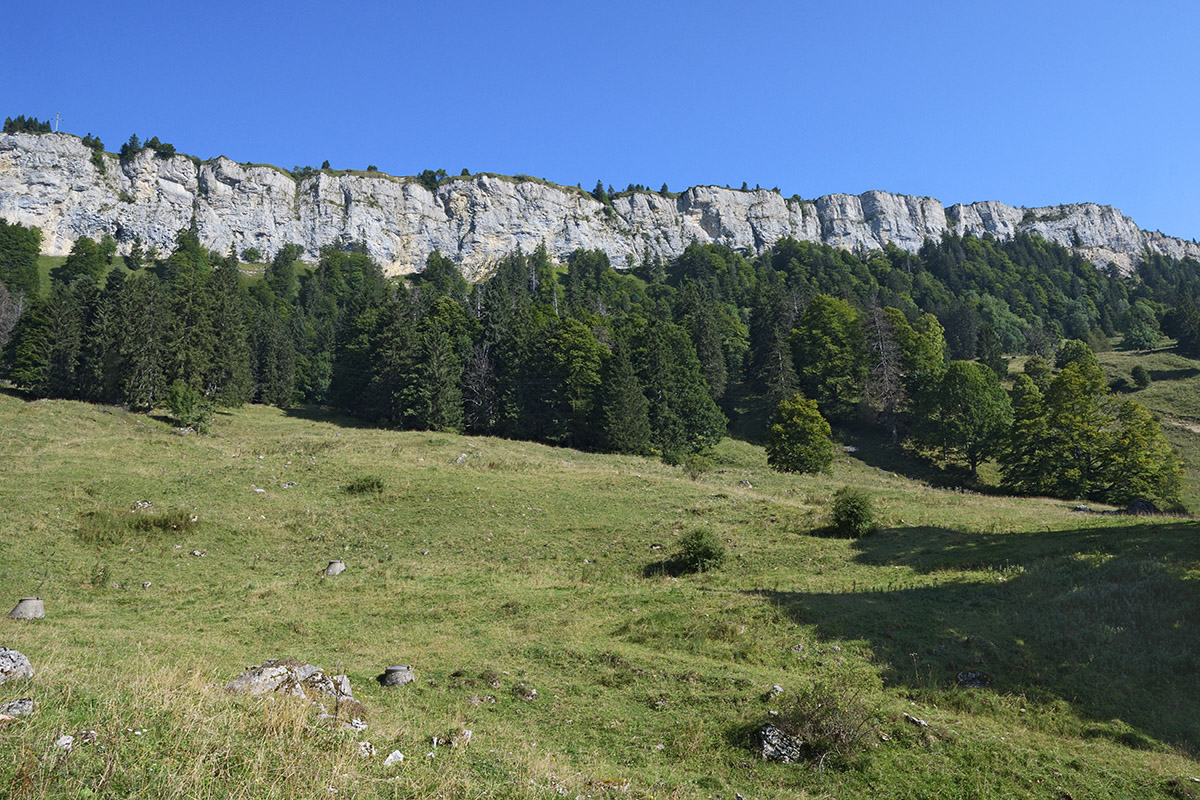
(49, 180)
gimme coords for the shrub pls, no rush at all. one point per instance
(853, 513)
(830, 720)
(366, 484)
(252, 255)
(188, 408)
(695, 465)
(702, 550)
(1140, 376)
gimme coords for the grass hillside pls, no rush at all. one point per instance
(495, 566)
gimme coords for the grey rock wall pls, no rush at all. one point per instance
(48, 180)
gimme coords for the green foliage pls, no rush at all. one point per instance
(252, 255)
(966, 416)
(853, 513)
(430, 178)
(832, 721)
(830, 355)
(23, 124)
(188, 408)
(1075, 351)
(694, 465)
(1141, 377)
(1080, 442)
(799, 437)
(19, 248)
(701, 550)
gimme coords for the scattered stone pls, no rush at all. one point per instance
(837, 648)
(745, 483)
(567, 464)
(366, 750)
(656, 546)
(394, 757)
(461, 738)
(849, 448)
(778, 746)
(1141, 507)
(260, 491)
(289, 485)
(738, 796)
(146, 584)
(1081, 509)
(397, 676)
(920, 723)
(974, 680)
(424, 552)
(797, 648)
(28, 608)
(199, 553)
(461, 459)
(336, 567)
(526, 693)
(304, 681)
(772, 693)
(66, 742)
(14, 665)
(139, 505)
(22, 707)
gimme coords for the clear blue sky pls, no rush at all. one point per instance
(1029, 103)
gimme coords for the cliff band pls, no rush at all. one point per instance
(51, 181)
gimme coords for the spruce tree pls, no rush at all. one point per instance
(621, 407)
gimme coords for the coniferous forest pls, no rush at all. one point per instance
(663, 359)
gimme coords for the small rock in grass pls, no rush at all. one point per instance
(66, 742)
(775, 745)
(920, 723)
(22, 707)
(14, 665)
(394, 757)
(366, 749)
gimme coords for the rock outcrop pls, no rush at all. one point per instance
(14, 665)
(51, 181)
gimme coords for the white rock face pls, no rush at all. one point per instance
(48, 180)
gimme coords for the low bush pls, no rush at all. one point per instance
(366, 484)
(831, 722)
(702, 550)
(853, 513)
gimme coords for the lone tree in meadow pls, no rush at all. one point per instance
(798, 440)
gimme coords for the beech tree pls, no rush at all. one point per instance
(968, 415)
(799, 437)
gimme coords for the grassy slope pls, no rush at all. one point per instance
(530, 561)
(1173, 396)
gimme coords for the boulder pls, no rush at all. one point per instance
(336, 567)
(291, 677)
(14, 665)
(1141, 508)
(330, 693)
(775, 745)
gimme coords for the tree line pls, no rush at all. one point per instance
(655, 359)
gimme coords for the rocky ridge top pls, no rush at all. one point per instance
(49, 180)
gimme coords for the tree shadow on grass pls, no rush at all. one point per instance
(1102, 618)
(1173, 374)
(319, 414)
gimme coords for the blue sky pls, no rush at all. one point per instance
(1029, 103)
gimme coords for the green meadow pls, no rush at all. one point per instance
(495, 567)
